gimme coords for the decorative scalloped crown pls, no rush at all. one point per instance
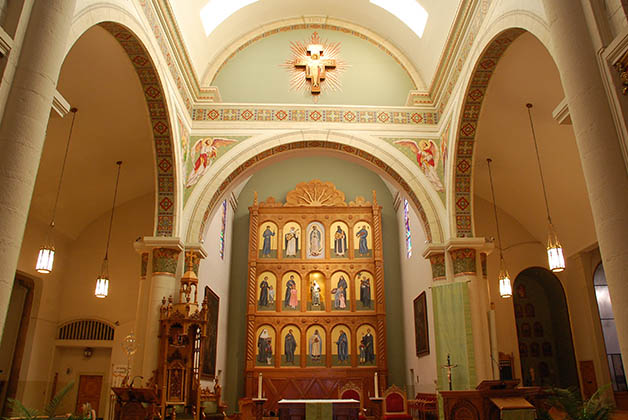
(315, 193)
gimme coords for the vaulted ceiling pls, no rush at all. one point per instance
(423, 53)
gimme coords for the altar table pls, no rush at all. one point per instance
(325, 409)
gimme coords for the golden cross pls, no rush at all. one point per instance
(449, 367)
(315, 66)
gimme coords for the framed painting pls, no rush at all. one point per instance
(421, 333)
(208, 364)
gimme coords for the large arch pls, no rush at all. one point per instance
(118, 23)
(386, 161)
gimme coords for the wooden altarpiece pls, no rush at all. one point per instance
(324, 311)
(182, 329)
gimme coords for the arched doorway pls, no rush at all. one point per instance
(543, 330)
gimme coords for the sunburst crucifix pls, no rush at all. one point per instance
(315, 64)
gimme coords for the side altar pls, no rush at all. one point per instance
(315, 307)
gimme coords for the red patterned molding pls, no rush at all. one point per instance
(316, 114)
(160, 123)
(465, 139)
(316, 144)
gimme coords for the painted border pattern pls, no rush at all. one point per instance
(160, 123)
(162, 41)
(315, 144)
(317, 114)
(468, 127)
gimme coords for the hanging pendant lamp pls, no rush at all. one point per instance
(555, 256)
(102, 282)
(505, 287)
(46, 256)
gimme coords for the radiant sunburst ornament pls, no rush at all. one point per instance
(315, 65)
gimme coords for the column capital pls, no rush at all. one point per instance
(433, 249)
(194, 253)
(479, 244)
(149, 243)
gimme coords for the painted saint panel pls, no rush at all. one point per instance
(292, 240)
(265, 346)
(340, 300)
(267, 240)
(290, 346)
(340, 345)
(266, 288)
(365, 297)
(291, 292)
(316, 292)
(315, 240)
(363, 240)
(339, 240)
(366, 345)
(315, 336)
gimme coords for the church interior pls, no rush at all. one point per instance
(374, 209)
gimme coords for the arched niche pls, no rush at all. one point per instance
(543, 330)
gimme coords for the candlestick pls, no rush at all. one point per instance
(259, 385)
(376, 386)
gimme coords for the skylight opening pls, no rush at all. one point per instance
(216, 11)
(409, 12)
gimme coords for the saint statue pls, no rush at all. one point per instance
(290, 345)
(343, 347)
(290, 286)
(316, 346)
(340, 242)
(369, 350)
(365, 291)
(268, 234)
(291, 242)
(264, 348)
(340, 298)
(271, 295)
(263, 295)
(316, 247)
(362, 234)
(316, 294)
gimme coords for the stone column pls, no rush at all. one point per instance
(141, 313)
(165, 254)
(466, 264)
(599, 147)
(23, 128)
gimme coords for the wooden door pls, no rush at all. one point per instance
(589, 382)
(89, 392)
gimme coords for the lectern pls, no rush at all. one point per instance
(135, 403)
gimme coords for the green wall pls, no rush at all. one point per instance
(255, 74)
(277, 180)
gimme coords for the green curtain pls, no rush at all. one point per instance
(454, 336)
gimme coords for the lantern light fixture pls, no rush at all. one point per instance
(46, 256)
(102, 282)
(505, 287)
(555, 255)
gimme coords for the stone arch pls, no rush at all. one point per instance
(118, 23)
(199, 210)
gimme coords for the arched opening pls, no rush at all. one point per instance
(115, 121)
(274, 179)
(609, 330)
(543, 330)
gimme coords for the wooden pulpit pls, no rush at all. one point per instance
(135, 403)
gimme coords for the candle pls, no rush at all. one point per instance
(259, 385)
(376, 386)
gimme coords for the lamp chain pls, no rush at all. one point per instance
(65, 157)
(113, 207)
(499, 236)
(538, 159)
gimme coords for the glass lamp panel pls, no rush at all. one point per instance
(45, 260)
(102, 288)
(505, 289)
(556, 259)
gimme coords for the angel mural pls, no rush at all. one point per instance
(427, 157)
(205, 150)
